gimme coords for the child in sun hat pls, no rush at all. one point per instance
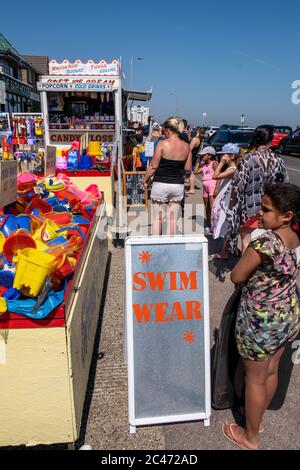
(222, 175)
(207, 169)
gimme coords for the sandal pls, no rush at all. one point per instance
(227, 429)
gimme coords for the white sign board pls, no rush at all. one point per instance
(8, 182)
(50, 161)
(167, 318)
(75, 85)
(84, 68)
(149, 149)
(4, 124)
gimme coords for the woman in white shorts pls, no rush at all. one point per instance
(171, 160)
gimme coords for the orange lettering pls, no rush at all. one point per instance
(156, 281)
(185, 280)
(177, 312)
(142, 313)
(193, 310)
(173, 278)
(161, 312)
(139, 281)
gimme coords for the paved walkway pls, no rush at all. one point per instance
(106, 415)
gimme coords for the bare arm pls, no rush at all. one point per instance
(220, 175)
(193, 143)
(154, 164)
(248, 263)
(188, 163)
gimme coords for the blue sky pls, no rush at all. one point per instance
(222, 58)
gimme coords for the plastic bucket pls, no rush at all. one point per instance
(2, 240)
(33, 267)
(24, 221)
(8, 224)
(47, 231)
(18, 240)
(60, 218)
(94, 148)
(41, 206)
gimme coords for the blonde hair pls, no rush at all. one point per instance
(174, 124)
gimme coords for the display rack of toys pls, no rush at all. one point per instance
(27, 128)
(96, 157)
(41, 238)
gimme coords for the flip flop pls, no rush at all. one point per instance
(231, 437)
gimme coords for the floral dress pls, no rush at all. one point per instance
(269, 312)
(242, 199)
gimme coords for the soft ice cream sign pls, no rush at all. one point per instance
(84, 68)
(167, 329)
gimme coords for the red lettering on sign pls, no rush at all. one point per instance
(161, 312)
(158, 281)
(141, 282)
(142, 313)
(193, 311)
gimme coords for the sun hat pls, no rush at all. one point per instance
(206, 150)
(230, 148)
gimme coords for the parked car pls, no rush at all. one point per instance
(210, 131)
(226, 127)
(236, 136)
(291, 143)
(279, 133)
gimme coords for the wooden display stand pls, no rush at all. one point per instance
(44, 365)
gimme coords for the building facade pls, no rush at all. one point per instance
(18, 78)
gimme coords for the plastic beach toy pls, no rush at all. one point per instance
(60, 218)
(17, 241)
(8, 224)
(41, 207)
(33, 266)
(47, 231)
(2, 240)
(53, 184)
(24, 221)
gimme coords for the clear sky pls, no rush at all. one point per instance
(223, 58)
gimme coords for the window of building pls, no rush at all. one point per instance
(30, 76)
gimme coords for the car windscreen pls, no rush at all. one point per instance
(283, 130)
(220, 137)
(241, 137)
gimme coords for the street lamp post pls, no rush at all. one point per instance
(242, 120)
(131, 70)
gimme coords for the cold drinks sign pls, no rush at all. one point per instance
(167, 329)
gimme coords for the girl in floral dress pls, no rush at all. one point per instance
(223, 174)
(269, 314)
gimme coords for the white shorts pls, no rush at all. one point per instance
(165, 192)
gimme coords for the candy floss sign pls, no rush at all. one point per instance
(86, 68)
(167, 329)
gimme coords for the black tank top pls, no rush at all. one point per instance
(195, 154)
(170, 171)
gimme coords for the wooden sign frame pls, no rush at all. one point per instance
(141, 173)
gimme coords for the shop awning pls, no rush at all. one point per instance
(138, 95)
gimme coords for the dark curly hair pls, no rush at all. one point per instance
(285, 197)
(263, 135)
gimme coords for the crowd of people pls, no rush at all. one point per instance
(247, 195)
